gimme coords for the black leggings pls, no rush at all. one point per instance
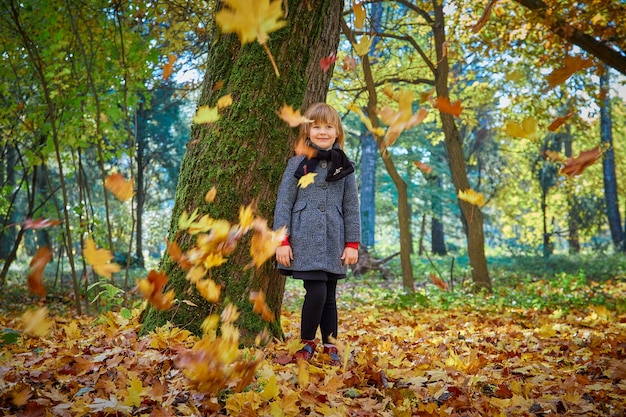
(319, 310)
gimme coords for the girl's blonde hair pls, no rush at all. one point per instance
(322, 113)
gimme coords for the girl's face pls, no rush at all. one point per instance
(322, 135)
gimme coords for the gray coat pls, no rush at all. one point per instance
(320, 218)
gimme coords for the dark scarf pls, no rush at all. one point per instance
(340, 165)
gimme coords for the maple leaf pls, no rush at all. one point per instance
(37, 265)
(359, 15)
(36, 322)
(443, 104)
(209, 290)
(576, 166)
(554, 156)
(423, 167)
(230, 313)
(206, 114)
(439, 282)
(123, 190)
(264, 241)
(152, 286)
(363, 46)
(527, 129)
(251, 20)
(99, 259)
(185, 220)
(558, 122)
(40, 223)
(307, 180)
(134, 393)
(348, 64)
(21, 397)
(366, 120)
(302, 148)
(260, 306)
(403, 118)
(571, 65)
(291, 116)
(224, 101)
(472, 197)
(327, 61)
(209, 197)
(177, 255)
(169, 67)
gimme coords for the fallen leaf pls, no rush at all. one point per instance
(260, 306)
(527, 129)
(439, 282)
(302, 148)
(363, 46)
(571, 65)
(348, 64)
(209, 197)
(423, 167)
(36, 322)
(359, 15)
(251, 20)
(152, 289)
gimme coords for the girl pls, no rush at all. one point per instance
(323, 225)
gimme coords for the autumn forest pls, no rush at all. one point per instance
(142, 145)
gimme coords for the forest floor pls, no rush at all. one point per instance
(432, 353)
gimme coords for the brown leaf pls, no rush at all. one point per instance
(571, 65)
(37, 265)
(485, 17)
(576, 166)
(558, 122)
(439, 282)
(169, 67)
(122, 189)
(40, 223)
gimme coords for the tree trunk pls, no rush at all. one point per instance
(608, 164)
(8, 231)
(369, 155)
(471, 215)
(438, 244)
(244, 153)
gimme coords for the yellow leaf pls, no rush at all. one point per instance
(264, 242)
(123, 190)
(359, 15)
(185, 220)
(472, 197)
(134, 393)
(230, 313)
(225, 101)
(206, 114)
(307, 180)
(209, 290)
(99, 259)
(526, 129)
(303, 374)
(246, 216)
(363, 46)
(36, 322)
(20, 398)
(366, 121)
(291, 116)
(271, 390)
(210, 195)
(251, 20)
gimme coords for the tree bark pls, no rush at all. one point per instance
(608, 165)
(471, 215)
(244, 153)
(369, 155)
(438, 244)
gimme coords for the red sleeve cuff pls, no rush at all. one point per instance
(353, 245)
(285, 241)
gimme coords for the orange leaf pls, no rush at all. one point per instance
(177, 255)
(209, 290)
(36, 322)
(439, 282)
(571, 64)
(40, 223)
(576, 166)
(291, 116)
(423, 167)
(37, 265)
(260, 307)
(99, 259)
(169, 67)
(443, 104)
(210, 195)
(559, 121)
(151, 287)
(302, 148)
(327, 61)
(122, 189)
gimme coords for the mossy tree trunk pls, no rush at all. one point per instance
(244, 153)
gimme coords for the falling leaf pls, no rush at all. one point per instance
(576, 166)
(348, 64)
(37, 265)
(554, 156)
(363, 46)
(571, 65)
(177, 255)
(225, 101)
(443, 104)
(259, 306)
(230, 313)
(209, 290)
(209, 197)
(485, 17)
(527, 129)
(366, 120)
(206, 114)
(472, 197)
(307, 180)
(152, 286)
(169, 67)
(558, 122)
(123, 190)
(327, 61)
(251, 20)
(359, 15)
(439, 282)
(302, 148)
(291, 116)
(40, 223)
(264, 242)
(36, 322)
(423, 167)
(20, 398)
(99, 259)
(402, 119)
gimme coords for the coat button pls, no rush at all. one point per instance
(324, 186)
(321, 207)
(324, 164)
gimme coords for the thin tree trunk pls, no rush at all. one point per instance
(244, 153)
(608, 165)
(369, 155)
(438, 244)
(472, 216)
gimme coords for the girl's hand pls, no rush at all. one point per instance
(284, 255)
(350, 256)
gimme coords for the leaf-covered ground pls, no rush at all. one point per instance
(403, 361)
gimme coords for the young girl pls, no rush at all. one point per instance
(323, 225)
